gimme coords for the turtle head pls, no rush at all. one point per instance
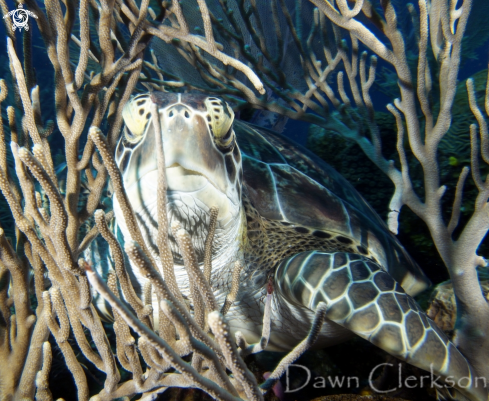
(202, 158)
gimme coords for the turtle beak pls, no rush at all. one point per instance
(189, 148)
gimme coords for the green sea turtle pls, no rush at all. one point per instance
(289, 218)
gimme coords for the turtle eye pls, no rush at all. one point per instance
(129, 136)
(228, 135)
(220, 117)
(226, 143)
(132, 138)
(136, 114)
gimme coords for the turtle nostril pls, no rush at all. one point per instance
(178, 110)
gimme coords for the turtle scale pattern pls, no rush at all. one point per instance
(290, 218)
(301, 198)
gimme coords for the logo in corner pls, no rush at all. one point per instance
(20, 17)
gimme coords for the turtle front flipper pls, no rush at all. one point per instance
(363, 298)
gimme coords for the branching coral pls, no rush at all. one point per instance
(459, 254)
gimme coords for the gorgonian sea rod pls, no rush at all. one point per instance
(97, 51)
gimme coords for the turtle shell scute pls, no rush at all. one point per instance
(384, 282)
(303, 200)
(390, 308)
(336, 284)
(362, 294)
(432, 350)
(364, 320)
(414, 328)
(389, 337)
(261, 188)
(340, 310)
(359, 271)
